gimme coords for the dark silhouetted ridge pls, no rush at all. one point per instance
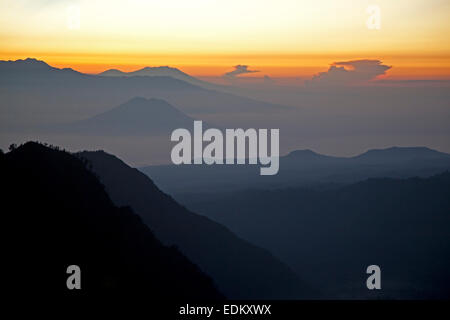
(240, 269)
(58, 214)
(331, 235)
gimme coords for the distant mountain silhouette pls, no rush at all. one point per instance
(164, 71)
(241, 270)
(28, 64)
(138, 116)
(396, 154)
(303, 168)
(330, 236)
(307, 154)
(58, 214)
(113, 73)
(55, 95)
(28, 71)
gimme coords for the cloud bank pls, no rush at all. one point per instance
(351, 72)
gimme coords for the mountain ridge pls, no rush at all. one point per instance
(302, 168)
(212, 246)
(419, 150)
(137, 116)
(59, 214)
(402, 225)
(160, 71)
(85, 94)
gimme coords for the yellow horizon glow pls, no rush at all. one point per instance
(284, 38)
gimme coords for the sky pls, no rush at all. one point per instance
(279, 38)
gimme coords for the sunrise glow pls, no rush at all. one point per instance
(288, 38)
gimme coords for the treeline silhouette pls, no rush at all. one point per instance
(56, 213)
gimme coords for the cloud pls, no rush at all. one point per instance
(351, 72)
(239, 69)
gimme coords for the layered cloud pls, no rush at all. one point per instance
(238, 70)
(351, 72)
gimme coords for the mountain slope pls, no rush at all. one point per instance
(396, 154)
(165, 71)
(302, 168)
(58, 214)
(112, 73)
(330, 236)
(241, 270)
(138, 116)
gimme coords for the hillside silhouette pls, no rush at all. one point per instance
(304, 168)
(330, 235)
(240, 269)
(58, 214)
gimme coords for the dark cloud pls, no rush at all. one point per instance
(350, 72)
(239, 69)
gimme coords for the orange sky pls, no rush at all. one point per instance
(275, 65)
(283, 38)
